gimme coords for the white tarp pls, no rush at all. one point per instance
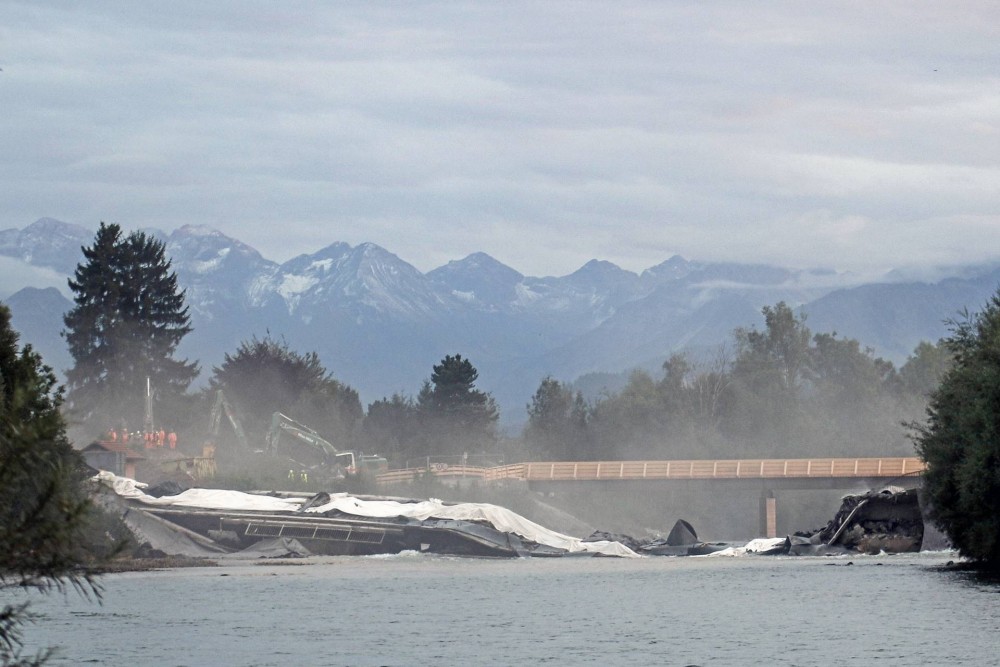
(210, 499)
(500, 518)
(759, 545)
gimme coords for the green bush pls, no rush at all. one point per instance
(961, 440)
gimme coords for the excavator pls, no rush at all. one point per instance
(350, 462)
(222, 407)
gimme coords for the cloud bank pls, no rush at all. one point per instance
(856, 136)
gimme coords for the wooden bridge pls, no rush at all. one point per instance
(733, 469)
(767, 475)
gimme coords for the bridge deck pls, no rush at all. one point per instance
(559, 471)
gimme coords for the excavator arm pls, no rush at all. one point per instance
(222, 407)
(281, 423)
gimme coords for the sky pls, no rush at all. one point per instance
(853, 136)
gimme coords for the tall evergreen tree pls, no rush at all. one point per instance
(43, 509)
(557, 423)
(458, 418)
(128, 319)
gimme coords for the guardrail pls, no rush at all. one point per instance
(724, 469)
(867, 468)
(437, 470)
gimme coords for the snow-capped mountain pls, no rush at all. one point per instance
(48, 243)
(379, 324)
(480, 281)
(367, 279)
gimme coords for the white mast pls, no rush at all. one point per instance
(148, 423)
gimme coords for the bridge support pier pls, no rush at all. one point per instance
(768, 514)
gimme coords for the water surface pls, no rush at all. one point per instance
(430, 610)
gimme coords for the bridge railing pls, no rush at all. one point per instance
(724, 469)
(867, 468)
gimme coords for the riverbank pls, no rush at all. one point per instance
(132, 564)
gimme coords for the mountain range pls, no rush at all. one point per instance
(379, 324)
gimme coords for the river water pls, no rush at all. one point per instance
(428, 610)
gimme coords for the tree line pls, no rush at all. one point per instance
(123, 332)
(777, 391)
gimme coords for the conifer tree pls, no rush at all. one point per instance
(43, 509)
(557, 423)
(128, 318)
(458, 418)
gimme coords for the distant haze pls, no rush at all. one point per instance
(380, 324)
(860, 137)
(15, 275)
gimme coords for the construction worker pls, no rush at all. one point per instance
(172, 440)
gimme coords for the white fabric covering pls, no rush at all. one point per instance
(212, 499)
(500, 518)
(753, 546)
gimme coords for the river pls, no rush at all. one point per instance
(428, 610)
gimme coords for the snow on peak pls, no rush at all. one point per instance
(323, 265)
(211, 264)
(295, 285)
(199, 230)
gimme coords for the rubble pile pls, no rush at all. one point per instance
(682, 541)
(889, 520)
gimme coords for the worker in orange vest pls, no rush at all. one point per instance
(172, 440)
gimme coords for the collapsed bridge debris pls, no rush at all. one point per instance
(216, 523)
(889, 520)
(681, 541)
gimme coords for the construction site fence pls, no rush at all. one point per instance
(867, 468)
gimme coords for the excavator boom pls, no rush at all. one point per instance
(222, 407)
(281, 423)
(348, 460)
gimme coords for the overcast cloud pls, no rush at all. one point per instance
(857, 136)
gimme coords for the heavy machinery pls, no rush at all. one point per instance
(351, 463)
(222, 407)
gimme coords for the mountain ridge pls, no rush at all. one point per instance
(379, 323)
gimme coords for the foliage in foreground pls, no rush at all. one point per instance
(43, 509)
(961, 439)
